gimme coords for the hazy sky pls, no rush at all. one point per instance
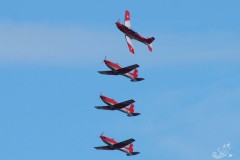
(50, 52)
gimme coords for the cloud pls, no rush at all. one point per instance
(76, 46)
(196, 48)
(49, 45)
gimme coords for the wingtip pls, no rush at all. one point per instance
(127, 11)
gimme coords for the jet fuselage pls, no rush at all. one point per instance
(110, 101)
(129, 32)
(110, 142)
(114, 66)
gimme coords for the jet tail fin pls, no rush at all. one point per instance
(131, 153)
(131, 108)
(149, 43)
(130, 148)
(150, 40)
(135, 73)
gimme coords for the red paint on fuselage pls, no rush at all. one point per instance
(108, 100)
(110, 141)
(115, 66)
(129, 32)
(111, 65)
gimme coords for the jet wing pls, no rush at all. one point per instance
(104, 107)
(127, 69)
(116, 106)
(104, 148)
(120, 71)
(123, 104)
(123, 143)
(107, 72)
(127, 19)
(130, 44)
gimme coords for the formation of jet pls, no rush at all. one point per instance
(129, 72)
(118, 70)
(130, 34)
(124, 146)
(114, 105)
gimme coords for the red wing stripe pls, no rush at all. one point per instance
(127, 15)
(127, 19)
(130, 44)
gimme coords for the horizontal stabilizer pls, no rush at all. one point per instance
(150, 47)
(134, 114)
(137, 79)
(133, 153)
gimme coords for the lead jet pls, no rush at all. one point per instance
(114, 105)
(114, 145)
(130, 34)
(118, 70)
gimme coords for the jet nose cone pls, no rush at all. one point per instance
(106, 61)
(117, 23)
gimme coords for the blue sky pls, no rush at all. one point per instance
(51, 51)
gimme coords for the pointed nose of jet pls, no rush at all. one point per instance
(118, 24)
(107, 62)
(102, 137)
(102, 97)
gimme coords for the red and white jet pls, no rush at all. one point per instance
(114, 105)
(130, 34)
(118, 70)
(114, 145)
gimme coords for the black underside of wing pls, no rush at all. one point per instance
(107, 72)
(116, 106)
(127, 69)
(123, 143)
(104, 107)
(123, 104)
(104, 148)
